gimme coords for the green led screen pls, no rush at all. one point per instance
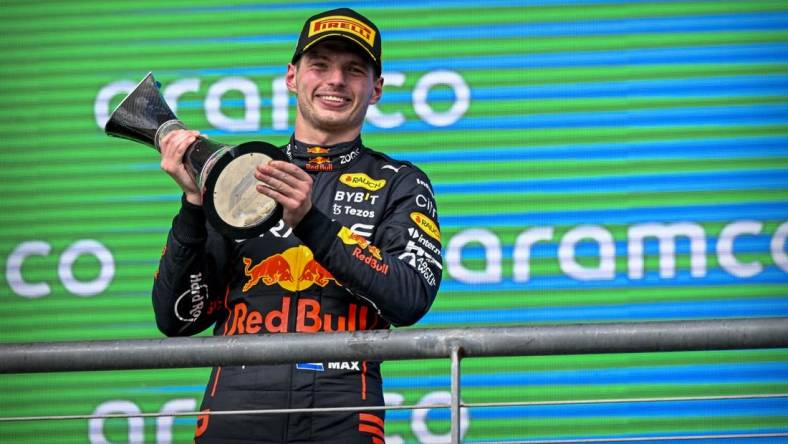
(593, 161)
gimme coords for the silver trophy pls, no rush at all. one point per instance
(223, 173)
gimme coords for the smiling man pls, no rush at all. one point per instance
(358, 248)
(334, 89)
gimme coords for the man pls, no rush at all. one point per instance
(358, 248)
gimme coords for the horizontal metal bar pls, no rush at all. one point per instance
(393, 407)
(395, 345)
(226, 412)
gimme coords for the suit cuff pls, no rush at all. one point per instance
(188, 227)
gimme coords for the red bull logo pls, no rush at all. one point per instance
(294, 269)
(315, 273)
(271, 270)
(375, 252)
(373, 262)
(317, 150)
(319, 163)
(364, 251)
(350, 238)
(310, 318)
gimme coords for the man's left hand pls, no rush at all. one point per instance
(289, 185)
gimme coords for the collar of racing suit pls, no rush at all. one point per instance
(321, 157)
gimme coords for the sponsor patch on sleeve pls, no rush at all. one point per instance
(426, 225)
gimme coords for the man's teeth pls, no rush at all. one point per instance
(333, 98)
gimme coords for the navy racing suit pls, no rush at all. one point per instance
(366, 256)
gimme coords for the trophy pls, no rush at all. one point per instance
(223, 173)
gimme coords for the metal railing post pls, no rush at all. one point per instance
(455, 394)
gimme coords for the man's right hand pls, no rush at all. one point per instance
(173, 147)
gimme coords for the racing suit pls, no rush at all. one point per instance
(366, 256)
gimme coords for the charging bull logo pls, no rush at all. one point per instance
(314, 272)
(270, 270)
(294, 269)
(350, 238)
(319, 163)
(373, 259)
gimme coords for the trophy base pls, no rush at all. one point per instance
(231, 201)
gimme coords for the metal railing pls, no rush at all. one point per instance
(728, 334)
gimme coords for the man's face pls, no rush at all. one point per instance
(334, 87)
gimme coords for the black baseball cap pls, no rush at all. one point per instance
(342, 23)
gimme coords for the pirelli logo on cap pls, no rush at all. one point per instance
(343, 24)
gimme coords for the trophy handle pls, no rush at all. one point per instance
(166, 128)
